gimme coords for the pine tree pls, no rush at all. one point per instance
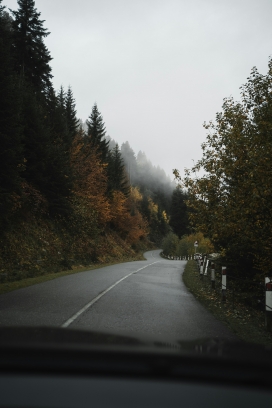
(178, 213)
(36, 141)
(1, 10)
(11, 156)
(129, 158)
(97, 132)
(32, 57)
(58, 167)
(117, 178)
(70, 108)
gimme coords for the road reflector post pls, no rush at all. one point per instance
(204, 262)
(199, 263)
(206, 268)
(213, 275)
(224, 283)
(201, 269)
(268, 303)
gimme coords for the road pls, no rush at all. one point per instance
(142, 297)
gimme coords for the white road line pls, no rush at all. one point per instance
(75, 316)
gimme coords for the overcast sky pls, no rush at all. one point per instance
(156, 68)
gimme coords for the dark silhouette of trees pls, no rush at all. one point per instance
(178, 213)
(31, 55)
(96, 133)
(117, 177)
(11, 149)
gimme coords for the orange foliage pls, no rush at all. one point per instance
(90, 182)
(126, 218)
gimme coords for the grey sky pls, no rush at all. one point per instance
(156, 68)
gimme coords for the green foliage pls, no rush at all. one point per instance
(178, 213)
(31, 55)
(232, 202)
(170, 244)
(174, 246)
(117, 178)
(186, 245)
(70, 113)
(11, 149)
(97, 132)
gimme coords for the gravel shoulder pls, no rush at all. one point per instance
(246, 323)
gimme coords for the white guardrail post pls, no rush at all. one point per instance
(201, 268)
(213, 275)
(268, 303)
(206, 268)
(224, 283)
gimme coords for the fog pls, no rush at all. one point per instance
(156, 68)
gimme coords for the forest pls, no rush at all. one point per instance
(69, 194)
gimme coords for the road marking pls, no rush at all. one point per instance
(75, 316)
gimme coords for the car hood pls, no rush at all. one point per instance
(50, 337)
(43, 350)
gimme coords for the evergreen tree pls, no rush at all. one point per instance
(58, 167)
(36, 140)
(178, 213)
(1, 10)
(70, 108)
(11, 156)
(97, 132)
(31, 55)
(129, 158)
(117, 178)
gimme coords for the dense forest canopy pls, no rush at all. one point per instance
(65, 187)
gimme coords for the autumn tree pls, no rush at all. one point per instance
(231, 202)
(126, 217)
(90, 182)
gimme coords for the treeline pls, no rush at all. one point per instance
(68, 193)
(231, 202)
(174, 246)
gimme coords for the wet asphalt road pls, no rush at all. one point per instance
(141, 297)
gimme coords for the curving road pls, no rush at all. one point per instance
(142, 297)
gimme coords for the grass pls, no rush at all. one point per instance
(246, 323)
(23, 283)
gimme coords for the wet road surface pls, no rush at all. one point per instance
(141, 297)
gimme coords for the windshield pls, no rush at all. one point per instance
(119, 211)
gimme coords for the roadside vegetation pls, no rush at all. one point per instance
(228, 199)
(46, 276)
(184, 247)
(229, 189)
(244, 317)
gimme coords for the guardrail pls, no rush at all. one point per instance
(206, 267)
(207, 270)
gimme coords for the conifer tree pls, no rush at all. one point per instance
(129, 158)
(178, 213)
(117, 177)
(11, 156)
(58, 167)
(97, 132)
(70, 108)
(32, 57)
